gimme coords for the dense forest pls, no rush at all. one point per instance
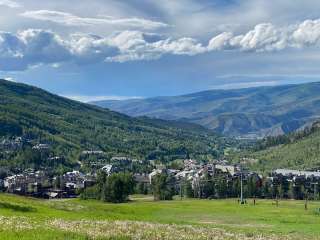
(70, 127)
(298, 150)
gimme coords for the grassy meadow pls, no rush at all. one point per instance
(142, 218)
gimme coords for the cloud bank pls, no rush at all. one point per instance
(267, 37)
(69, 19)
(10, 4)
(33, 47)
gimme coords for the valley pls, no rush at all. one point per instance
(104, 175)
(243, 113)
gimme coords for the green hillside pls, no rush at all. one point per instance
(299, 150)
(71, 127)
(252, 112)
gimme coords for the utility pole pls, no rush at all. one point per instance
(241, 185)
(315, 190)
(306, 200)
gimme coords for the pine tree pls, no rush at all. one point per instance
(163, 187)
(188, 191)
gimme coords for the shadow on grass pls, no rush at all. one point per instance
(17, 208)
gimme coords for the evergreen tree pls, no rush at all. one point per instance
(236, 187)
(163, 187)
(117, 188)
(280, 190)
(188, 191)
(221, 187)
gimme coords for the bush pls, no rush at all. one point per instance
(117, 188)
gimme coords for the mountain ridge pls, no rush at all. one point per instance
(71, 127)
(256, 112)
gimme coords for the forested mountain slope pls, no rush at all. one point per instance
(71, 127)
(299, 151)
(252, 112)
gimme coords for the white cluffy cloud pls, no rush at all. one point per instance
(139, 46)
(264, 37)
(73, 20)
(33, 47)
(9, 3)
(267, 37)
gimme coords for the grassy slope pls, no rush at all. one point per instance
(289, 218)
(263, 110)
(300, 154)
(74, 126)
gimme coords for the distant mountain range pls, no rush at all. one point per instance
(249, 113)
(71, 127)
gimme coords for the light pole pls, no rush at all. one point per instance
(241, 186)
(315, 190)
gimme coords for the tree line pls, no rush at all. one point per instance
(117, 187)
(272, 141)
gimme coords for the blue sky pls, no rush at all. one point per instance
(112, 49)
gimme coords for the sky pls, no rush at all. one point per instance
(119, 49)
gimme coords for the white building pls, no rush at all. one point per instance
(288, 173)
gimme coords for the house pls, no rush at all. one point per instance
(171, 172)
(27, 182)
(141, 178)
(190, 164)
(310, 180)
(185, 174)
(228, 169)
(74, 180)
(295, 173)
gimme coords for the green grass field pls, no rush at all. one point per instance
(142, 218)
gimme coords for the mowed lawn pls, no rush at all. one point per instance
(142, 218)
